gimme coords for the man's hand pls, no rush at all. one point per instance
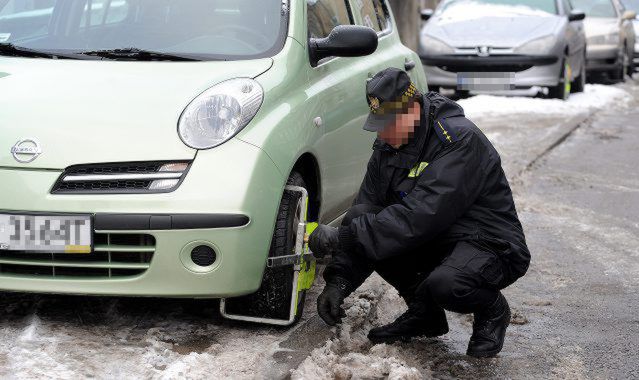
(329, 303)
(324, 241)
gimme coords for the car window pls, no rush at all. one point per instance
(476, 8)
(567, 6)
(324, 15)
(206, 29)
(631, 4)
(374, 14)
(596, 8)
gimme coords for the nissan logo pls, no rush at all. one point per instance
(26, 150)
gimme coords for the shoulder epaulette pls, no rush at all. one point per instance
(444, 132)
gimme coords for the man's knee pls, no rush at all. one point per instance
(448, 288)
(359, 210)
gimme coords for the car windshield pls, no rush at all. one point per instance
(208, 29)
(595, 8)
(480, 8)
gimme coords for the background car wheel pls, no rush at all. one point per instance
(579, 83)
(617, 75)
(273, 299)
(562, 89)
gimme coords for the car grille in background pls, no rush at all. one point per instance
(115, 255)
(121, 178)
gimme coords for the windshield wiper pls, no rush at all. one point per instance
(12, 50)
(137, 55)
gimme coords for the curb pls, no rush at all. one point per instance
(554, 140)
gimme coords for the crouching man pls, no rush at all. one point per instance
(434, 217)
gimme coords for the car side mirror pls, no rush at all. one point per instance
(629, 15)
(426, 14)
(344, 41)
(576, 15)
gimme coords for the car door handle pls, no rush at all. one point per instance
(409, 64)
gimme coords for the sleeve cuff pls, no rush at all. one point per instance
(347, 239)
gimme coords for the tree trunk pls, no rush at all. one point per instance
(408, 21)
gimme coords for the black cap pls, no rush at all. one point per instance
(388, 93)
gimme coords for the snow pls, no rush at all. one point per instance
(473, 10)
(594, 97)
(350, 354)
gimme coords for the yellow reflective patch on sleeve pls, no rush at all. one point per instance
(417, 170)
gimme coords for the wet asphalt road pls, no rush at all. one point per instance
(576, 312)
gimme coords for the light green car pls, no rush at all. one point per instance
(176, 148)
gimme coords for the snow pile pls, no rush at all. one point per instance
(594, 97)
(350, 354)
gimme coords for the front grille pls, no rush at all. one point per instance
(121, 178)
(115, 255)
(101, 185)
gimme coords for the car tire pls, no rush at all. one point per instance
(579, 83)
(273, 298)
(562, 89)
(618, 74)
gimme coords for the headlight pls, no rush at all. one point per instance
(604, 39)
(220, 112)
(431, 45)
(537, 46)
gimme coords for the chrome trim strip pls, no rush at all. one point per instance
(121, 177)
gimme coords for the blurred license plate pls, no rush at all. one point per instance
(49, 233)
(484, 81)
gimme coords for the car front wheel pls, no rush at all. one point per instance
(562, 89)
(280, 298)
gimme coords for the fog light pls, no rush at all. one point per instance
(203, 255)
(164, 184)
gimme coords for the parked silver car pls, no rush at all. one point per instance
(611, 37)
(504, 44)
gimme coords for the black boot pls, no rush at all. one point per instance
(489, 329)
(418, 320)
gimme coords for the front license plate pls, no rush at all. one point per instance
(46, 233)
(485, 81)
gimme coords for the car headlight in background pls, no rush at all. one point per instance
(434, 46)
(220, 112)
(540, 45)
(604, 39)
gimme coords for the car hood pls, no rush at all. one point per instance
(499, 31)
(103, 111)
(595, 26)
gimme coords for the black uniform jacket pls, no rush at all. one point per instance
(456, 191)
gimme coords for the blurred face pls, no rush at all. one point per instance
(402, 129)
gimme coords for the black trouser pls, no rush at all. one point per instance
(462, 276)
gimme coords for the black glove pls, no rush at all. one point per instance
(329, 303)
(324, 241)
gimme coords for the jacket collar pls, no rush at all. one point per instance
(406, 155)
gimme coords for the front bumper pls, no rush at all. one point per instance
(602, 57)
(228, 200)
(528, 70)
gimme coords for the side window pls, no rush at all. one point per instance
(324, 15)
(102, 12)
(367, 10)
(567, 6)
(382, 14)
